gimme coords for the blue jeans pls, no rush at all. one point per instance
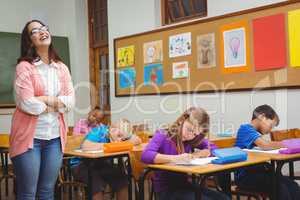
(37, 169)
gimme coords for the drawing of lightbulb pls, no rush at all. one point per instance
(234, 46)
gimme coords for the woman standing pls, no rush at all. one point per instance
(44, 92)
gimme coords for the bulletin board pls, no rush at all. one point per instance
(254, 49)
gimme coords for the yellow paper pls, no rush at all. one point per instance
(294, 37)
(126, 56)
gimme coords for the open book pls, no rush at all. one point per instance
(197, 161)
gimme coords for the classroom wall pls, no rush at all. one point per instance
(65, 18)
(227, 110)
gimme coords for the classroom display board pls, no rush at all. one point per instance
(254, 49)
(10, 44)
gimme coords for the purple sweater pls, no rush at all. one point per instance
(161, 143)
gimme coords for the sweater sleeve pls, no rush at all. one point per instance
(23, 83)
(205, 144)
(152, 149)
(67, 95)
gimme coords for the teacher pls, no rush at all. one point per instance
(44, 92)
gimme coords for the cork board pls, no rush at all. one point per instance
(211, 79)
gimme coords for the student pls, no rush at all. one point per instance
(176, 144)
(44, 92)
(103, 170)
(264, 118)
(94, 119)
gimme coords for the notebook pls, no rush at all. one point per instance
(229, 155)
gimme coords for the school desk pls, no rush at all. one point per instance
(200, 173)
(277, 162)
(89, 157)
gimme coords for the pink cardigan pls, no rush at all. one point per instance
(28, 84)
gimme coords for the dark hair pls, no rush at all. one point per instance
(267, 111)
(28, 51)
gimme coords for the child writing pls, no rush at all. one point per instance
(104, 171)
(264, 118)
(176, 144)
(94, 119)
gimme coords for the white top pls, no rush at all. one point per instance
(47, 126)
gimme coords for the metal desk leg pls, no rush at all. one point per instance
(129, 174)
(141, 183)
(90, 182)
(274, 181)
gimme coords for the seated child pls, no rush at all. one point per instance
(264, 118)
(94, 119)
(176, 144)
(103, 170)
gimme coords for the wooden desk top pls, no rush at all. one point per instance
(277, 157)
(4, 140)
(210, 168)
(72, 152)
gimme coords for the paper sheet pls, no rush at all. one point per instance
(274, 151)
(197, 161)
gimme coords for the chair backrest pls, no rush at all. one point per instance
(280, 135)
(4, 140)
(136, 164)
(74, 141)
(224, 142)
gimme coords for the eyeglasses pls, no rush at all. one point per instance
(38, 30)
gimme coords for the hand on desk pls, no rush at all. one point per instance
(201, 153)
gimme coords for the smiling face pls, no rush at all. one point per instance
(95, 117)
(190, 131)
(39, 35)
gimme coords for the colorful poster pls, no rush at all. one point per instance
(153, 74)
(126, 56)
(234, 49)
(127, 77)
(153, 52)
(269, 42)
(294, 37)
(180, 45)
(180, 70)
(206, 50)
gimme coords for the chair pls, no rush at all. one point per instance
(66, 183)
(6, 173)
(280, 135)
(137, 169)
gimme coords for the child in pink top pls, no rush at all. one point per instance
(94, 119)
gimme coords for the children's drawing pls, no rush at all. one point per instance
(234, 48)
(126, 56)
(153, 52)
(180, 45)
(127, 77)
(206, 50)
(180, 70)
(153, 74)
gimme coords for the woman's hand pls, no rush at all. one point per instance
(201, 153)
(51, 101)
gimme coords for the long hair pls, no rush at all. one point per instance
(197, 117)
(28, 51)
